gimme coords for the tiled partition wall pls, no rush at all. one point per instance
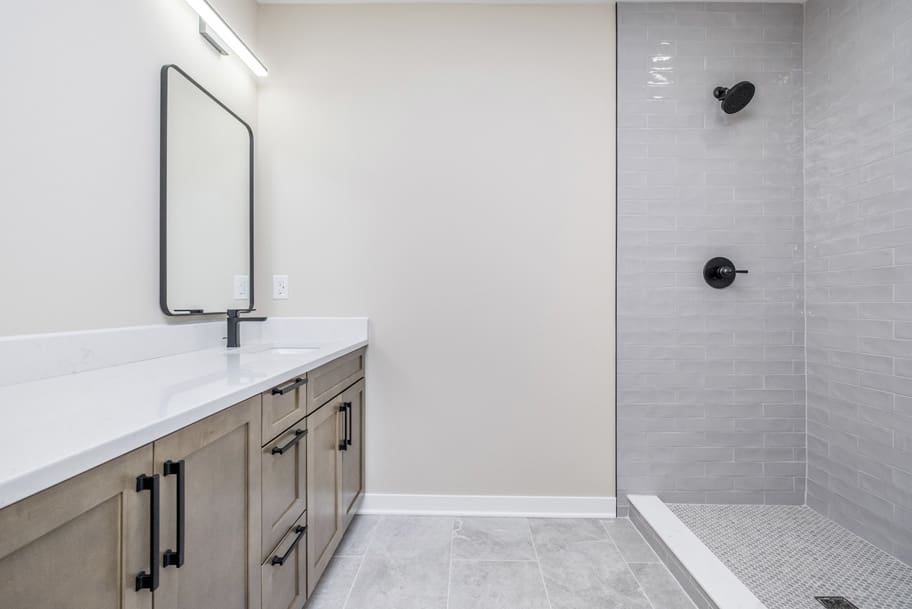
(710, 382)
(859, 266)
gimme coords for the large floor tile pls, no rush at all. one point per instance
(496, 585)
(388, 581)
(555, 533)
(589, 575)
(358, 536)
(334, 586)
(661, 587)
(493, 539)
(406, 536)
(629, 541)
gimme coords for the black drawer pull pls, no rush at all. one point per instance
(289, 388)
(149, 581)
(176, 557)
(281, 450)
(343, 443)
(280, 560)
(348, 420)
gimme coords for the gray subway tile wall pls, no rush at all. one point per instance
(858, 132)
(711, 385)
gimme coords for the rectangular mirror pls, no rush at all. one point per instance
(206, 201)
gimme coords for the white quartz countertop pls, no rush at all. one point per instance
(55, 428)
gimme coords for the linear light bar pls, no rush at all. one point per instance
(224, 31)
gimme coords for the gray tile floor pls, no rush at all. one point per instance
(788, 554)
(414, 562)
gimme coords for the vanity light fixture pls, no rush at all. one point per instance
(221, 28)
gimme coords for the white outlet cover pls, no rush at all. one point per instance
(280, 287)
(241, 287)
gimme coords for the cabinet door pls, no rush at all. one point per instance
(221, 511)
(324, 438)
(352, 484)
(80, 543)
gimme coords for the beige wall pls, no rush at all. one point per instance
(79, 154)
(449, 171)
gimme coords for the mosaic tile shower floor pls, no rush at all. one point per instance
(787, 555)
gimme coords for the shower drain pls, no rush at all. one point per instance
(835, 602)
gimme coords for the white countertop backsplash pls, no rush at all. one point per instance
(71, 401)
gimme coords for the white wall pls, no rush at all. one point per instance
(79, 154)
(449, 171)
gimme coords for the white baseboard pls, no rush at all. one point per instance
(490, 505)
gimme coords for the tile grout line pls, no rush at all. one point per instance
(627, 564)
(541, 573)
(661, 562)
(455, 560)
(370, 542)
(450, 567)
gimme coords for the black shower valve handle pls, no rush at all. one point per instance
(726, 271)
(720, 272)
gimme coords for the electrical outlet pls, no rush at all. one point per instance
(241, 287)
(280, 287)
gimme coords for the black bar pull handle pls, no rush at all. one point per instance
(144, 580)
(343, 443)
(281, 450)
(175, 558)
(280, 560)
(348, 421)
(290, 387)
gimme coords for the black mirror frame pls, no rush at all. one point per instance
(163, 198)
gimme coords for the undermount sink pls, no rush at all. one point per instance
(291, 350)
(261, 349)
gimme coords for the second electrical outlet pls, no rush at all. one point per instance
(280, 287)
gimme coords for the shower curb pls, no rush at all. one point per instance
(708, 582)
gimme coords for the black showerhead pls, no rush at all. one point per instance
(734, 99)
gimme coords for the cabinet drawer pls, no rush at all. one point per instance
(329, 380)
(282, 406)
(285, 570)
(284, 478)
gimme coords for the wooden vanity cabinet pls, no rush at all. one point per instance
(283, 406)
(285, 571)
(284, 478)
(220, 508)
(351, 485)
(241, 510)
(324, 466)
(329, 380)
(80, 543)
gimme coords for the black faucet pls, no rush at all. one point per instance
(234, 319)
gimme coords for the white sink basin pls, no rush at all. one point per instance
(264, 349)
(291, 350)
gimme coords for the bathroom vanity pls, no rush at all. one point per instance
(242, 508)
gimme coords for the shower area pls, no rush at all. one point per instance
(770, 412)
